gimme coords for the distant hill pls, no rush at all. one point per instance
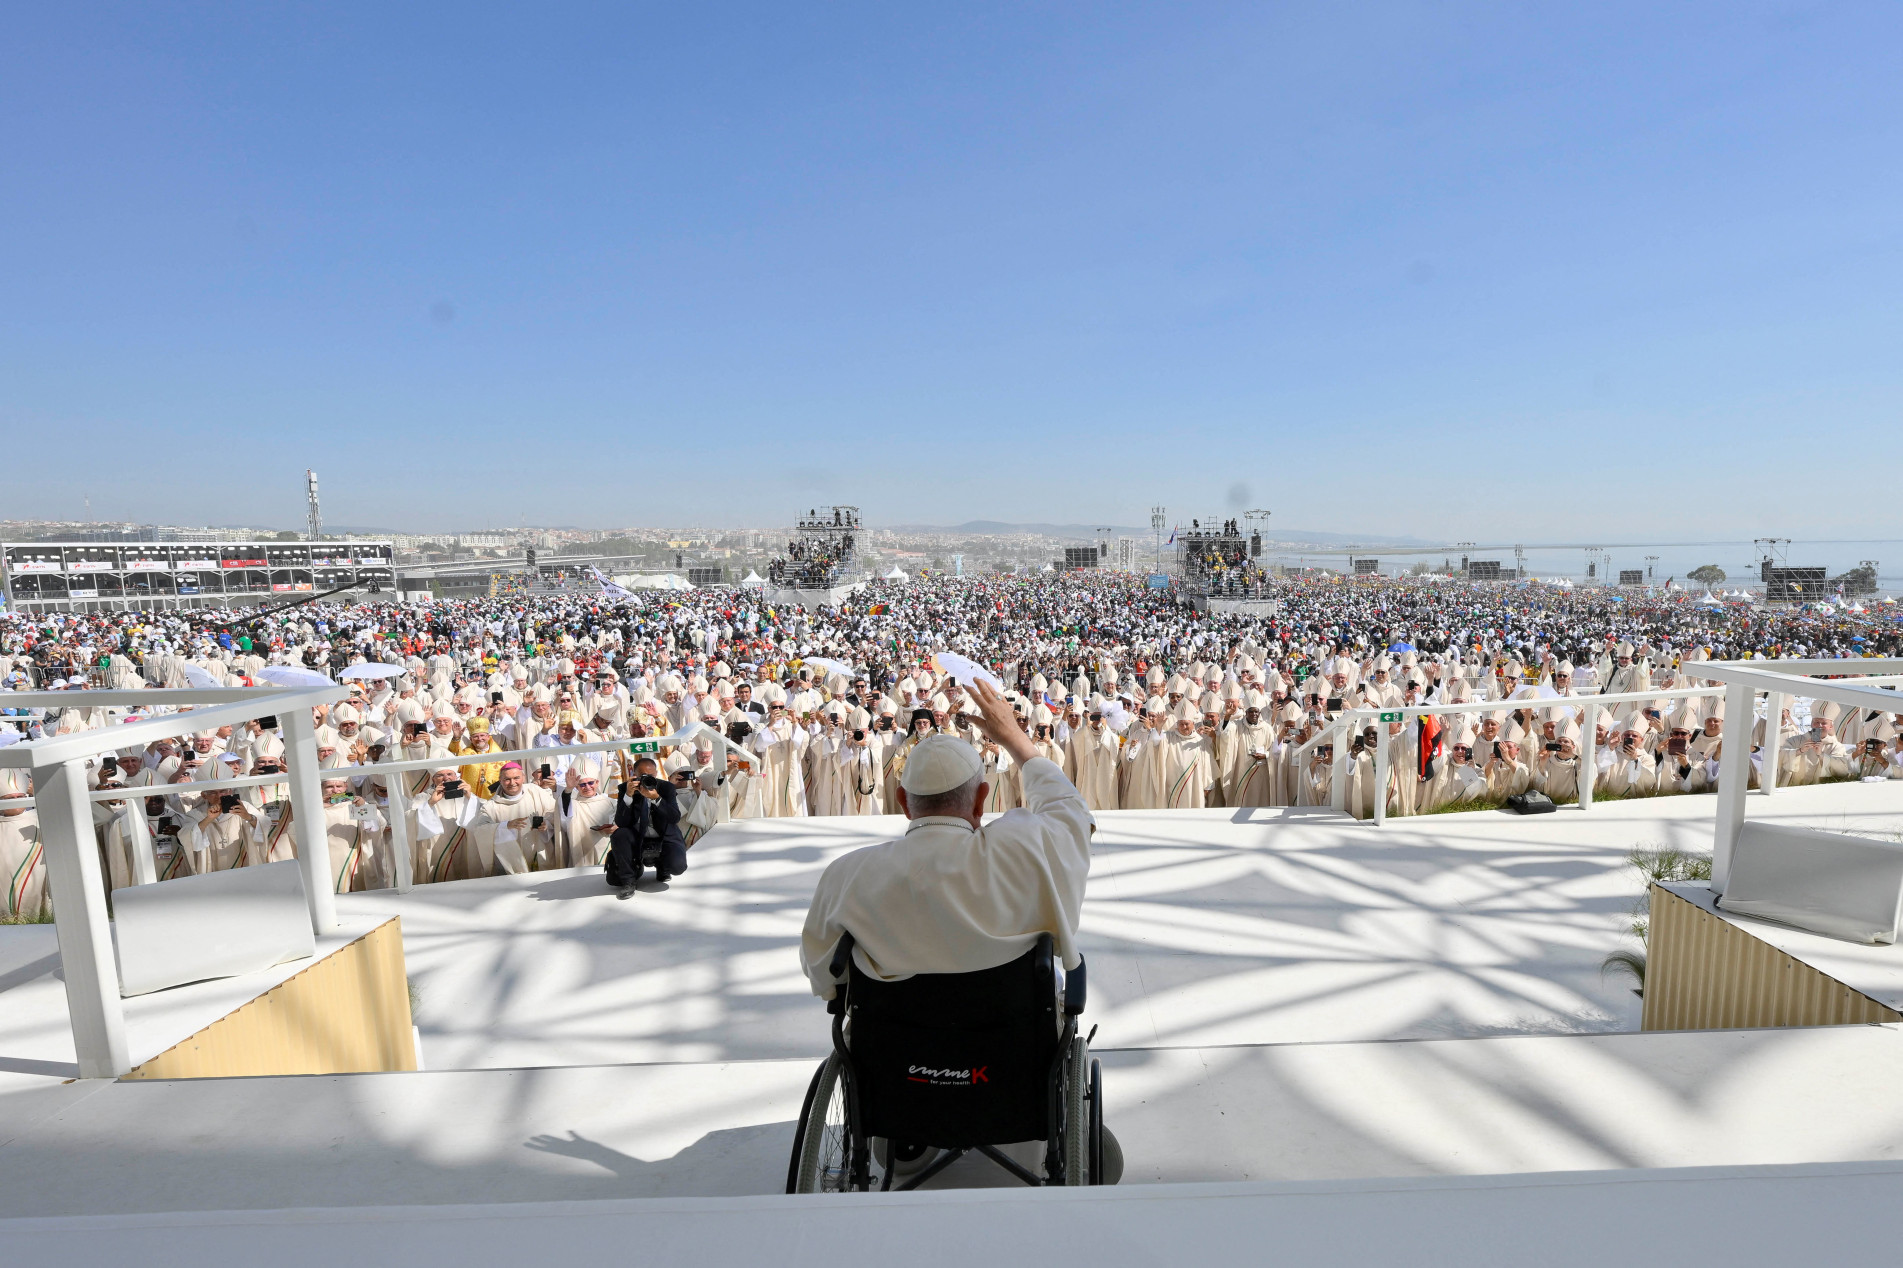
(1087, 532)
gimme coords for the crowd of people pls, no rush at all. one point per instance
(809, 564)
(1143, 701)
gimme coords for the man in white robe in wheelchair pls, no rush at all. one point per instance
(955, 895)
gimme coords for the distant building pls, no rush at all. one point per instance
(90, 577)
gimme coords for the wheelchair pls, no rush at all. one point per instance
(929, 1069)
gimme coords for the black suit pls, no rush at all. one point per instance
(634, 815)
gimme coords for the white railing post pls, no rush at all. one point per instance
(145, 862)
(1770, 754)
(1588, 754)
(1734, 777)
(79, 915)
(308, 828)
(1380, 774)
(1338, 767)
(397, 806)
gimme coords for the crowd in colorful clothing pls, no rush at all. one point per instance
(1143, 701)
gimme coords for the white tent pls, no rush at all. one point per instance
(897, 575)
(754, 579)
(665, 581)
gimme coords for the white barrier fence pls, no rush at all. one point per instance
(1339, 730)
(144, 854)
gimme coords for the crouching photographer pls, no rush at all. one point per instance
(647, 831)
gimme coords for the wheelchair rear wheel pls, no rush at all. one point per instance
(1096, 1122)
(822, 1153)
(1079, 1115)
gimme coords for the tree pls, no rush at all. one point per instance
(288, 536)
(1707, 574)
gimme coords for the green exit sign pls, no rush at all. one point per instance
(646, 746)
(1391, 717)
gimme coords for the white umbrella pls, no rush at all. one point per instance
(9, 736)
(964, 669)
(828, 665)
(200, 677)
(369, 669)
(292, 676)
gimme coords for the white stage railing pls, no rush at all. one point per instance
(58, 765)
(1779, 680)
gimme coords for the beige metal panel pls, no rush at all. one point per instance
(1704, 973)
(347, 1013)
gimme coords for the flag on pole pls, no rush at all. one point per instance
(620, 594)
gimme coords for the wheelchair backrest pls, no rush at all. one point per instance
(956, 1059)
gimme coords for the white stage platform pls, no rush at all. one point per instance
(1294, 1112)
(811, 600)
(1729, 1216)
(1239, 963)
(1204, 927)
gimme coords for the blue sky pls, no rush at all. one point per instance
(1360, 265)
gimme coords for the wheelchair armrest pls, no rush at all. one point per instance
(1075, 992)
(842, 958)
(841, 970)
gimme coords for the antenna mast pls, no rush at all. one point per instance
(315, 522)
